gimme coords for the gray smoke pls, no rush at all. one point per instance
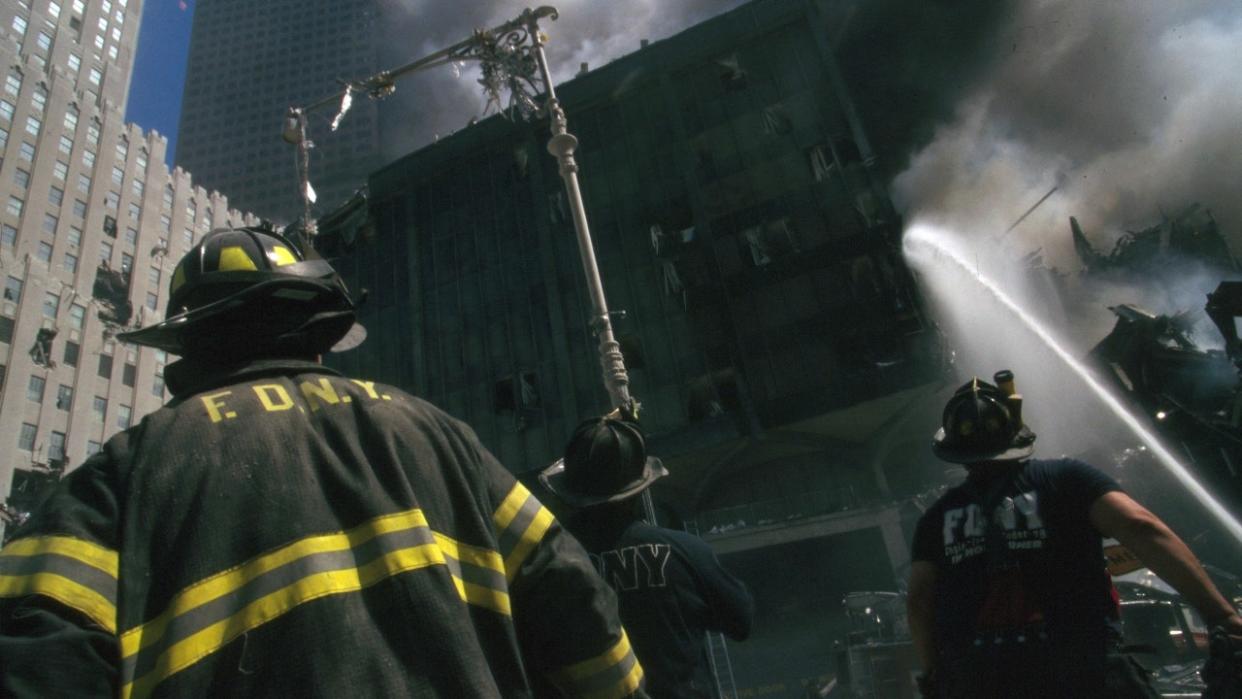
(1130, 108)
(438, 102)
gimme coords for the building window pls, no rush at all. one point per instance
(4, 138)
(43, 251)
(77, 316)
(157, 387)
(127, 262)
(19, 25)
(38, 99)
(33, 124)
(95, 76)
(84, 185)
(34, 389)
(26, 152)
(21, 178)
(49, 223)
(92, 134)
(137, 188)
(135, 212)
(187, 237)
(74, 61)
(109, 226)
(65, 145)
(93, 447)
(128, 373)
(26, 440)
(72, 349)
(6, 330)
(8, 235)
(105, 366)
(6, 110)
(71, 263)
(15, 206)
(51, 305)
(122, 150)
(118, 176)
(99, 407)
(105, 252)
(64, 397)
(153, 301)
(79, 208)
(75, 235)
(168, 196)
(141, 159)
(56, 447)
(165, 224)
(55, 196)
(43, 41)
(13, 83)
(111, 199)
(13, 289)
(123, 416)
(88, 159)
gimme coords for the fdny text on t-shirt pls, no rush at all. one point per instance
(965, 528)
(633, 567)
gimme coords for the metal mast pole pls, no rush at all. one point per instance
(562, 145)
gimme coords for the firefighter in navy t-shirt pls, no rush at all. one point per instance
(1009, 595)
(671, 588)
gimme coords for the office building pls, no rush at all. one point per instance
(249, 61)
(91, 226)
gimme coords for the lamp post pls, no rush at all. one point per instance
(512, 59)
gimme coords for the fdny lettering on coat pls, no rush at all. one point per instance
(311, 395)
(633, 567)
(965, 528)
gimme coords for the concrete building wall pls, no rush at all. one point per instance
(90, 219)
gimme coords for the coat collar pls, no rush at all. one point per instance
(187, 377)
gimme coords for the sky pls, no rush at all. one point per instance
(159, 68)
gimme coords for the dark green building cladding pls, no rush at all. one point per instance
(772, 331)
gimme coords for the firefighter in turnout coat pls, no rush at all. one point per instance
(279, 529)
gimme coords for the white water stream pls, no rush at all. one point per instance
(927, 248)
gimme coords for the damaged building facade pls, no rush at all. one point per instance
(92, 225)
(771, 329)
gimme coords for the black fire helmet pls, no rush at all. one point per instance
(245, 292)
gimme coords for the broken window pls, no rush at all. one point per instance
(34, 389)
(758, 246)
(56, 450)
(105, 366)
(41, 351)
(72, 349)
(713, 395)
(111, 290)
(109, 226)
(6, 329)
(128, 373)
(64, 397)
(71, 353)
(821, 162)
(732, 76)
(776, 121)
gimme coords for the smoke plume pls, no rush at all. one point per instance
(438, 102)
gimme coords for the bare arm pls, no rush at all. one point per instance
(1117, 515)
(920, 608)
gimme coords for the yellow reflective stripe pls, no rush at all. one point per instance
(68, 592)
(510, 506)
(92, 555)
(530, 539)
(613, 674)
(77, 573)
(186, 652)
(281, 256)
(474, 593)
(233, 258)
(230, 580)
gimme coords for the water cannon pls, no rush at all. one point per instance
(1004, 381)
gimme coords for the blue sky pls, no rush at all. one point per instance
(159, 68)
